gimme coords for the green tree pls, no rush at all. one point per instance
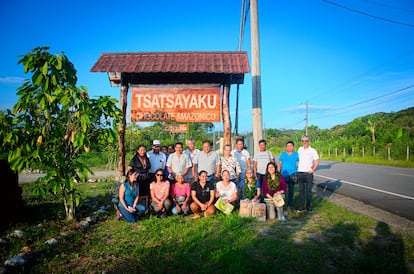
(53, 122)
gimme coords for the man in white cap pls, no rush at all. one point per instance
(157, 158)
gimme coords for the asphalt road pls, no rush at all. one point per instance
(388, 188)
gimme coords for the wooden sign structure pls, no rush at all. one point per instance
(175, 128)
(174, 69)
(166, 104)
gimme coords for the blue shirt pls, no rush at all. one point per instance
(289, 163)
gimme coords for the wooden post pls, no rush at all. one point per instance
(122, 126)
(225, 112)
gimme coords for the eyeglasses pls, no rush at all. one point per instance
(159, 174)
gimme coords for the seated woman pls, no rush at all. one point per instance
(202, 193)
(128, 205)
(227, 191)
(250, 188)
(180, 195)
(273, 185)
(160, 190)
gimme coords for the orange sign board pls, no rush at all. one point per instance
(167, 104)
(175, 128)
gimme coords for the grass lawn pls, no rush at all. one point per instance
(330, 239)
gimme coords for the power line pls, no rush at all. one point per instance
(341, 109)
(369, 15)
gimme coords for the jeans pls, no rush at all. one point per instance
(132, 217)
(305, 182)
(290, 190)
(180, 200)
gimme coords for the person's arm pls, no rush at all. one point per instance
(136, 200)
(248, 163)
(121, 194)
(210, 202)
(279, 166)
(255, 168)
(195, 176)
(185, 171)
(167, 193)
(258, 194)
(195, 199)
(314, 167)
(233, 197)
(217, 174)
(153, 194)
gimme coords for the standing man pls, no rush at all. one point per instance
(243, 157)
(157, 159)
(287, 166)
(308, 162)
(206, 160)
(191, 151)
(260, 160)
(178, 163)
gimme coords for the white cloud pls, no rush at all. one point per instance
(11, 80)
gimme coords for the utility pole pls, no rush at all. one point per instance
(306, 119)
(256, 82)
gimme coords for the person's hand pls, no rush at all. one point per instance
(183, 206)
(226, 201)
(130, 209)
(178, 208)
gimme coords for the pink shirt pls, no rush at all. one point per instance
(182, 190)
(160, 189)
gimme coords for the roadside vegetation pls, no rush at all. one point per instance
(330, 239)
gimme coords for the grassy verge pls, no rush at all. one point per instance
(330, 239)
(372, 161)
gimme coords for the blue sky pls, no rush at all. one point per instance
(343, 62)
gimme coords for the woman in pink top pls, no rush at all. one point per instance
(180, 195)
(160, 190)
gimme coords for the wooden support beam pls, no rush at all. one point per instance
(121, 127)
(225, 104)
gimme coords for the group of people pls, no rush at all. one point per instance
(193, 181)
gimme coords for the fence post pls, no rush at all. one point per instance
(352, 152)
(389, 153)
(373, 151)
(344, 152)
(329, 152)
(363, 152)
(336, 152)
(408, 153)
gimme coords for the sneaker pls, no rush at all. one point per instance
(283, 219)
(300, 209)
(163, 215)
(309, 208)
(196, 216)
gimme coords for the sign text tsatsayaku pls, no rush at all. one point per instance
(195, 104)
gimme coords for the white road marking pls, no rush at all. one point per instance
(402, 174)
(367, 187)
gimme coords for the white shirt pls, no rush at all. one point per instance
(306, 158)
(262, 158)
(242, 157)
(226, 191)
(178, 165)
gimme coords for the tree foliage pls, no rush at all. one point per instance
(53, 122)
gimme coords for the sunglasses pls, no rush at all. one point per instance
(159, 174)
